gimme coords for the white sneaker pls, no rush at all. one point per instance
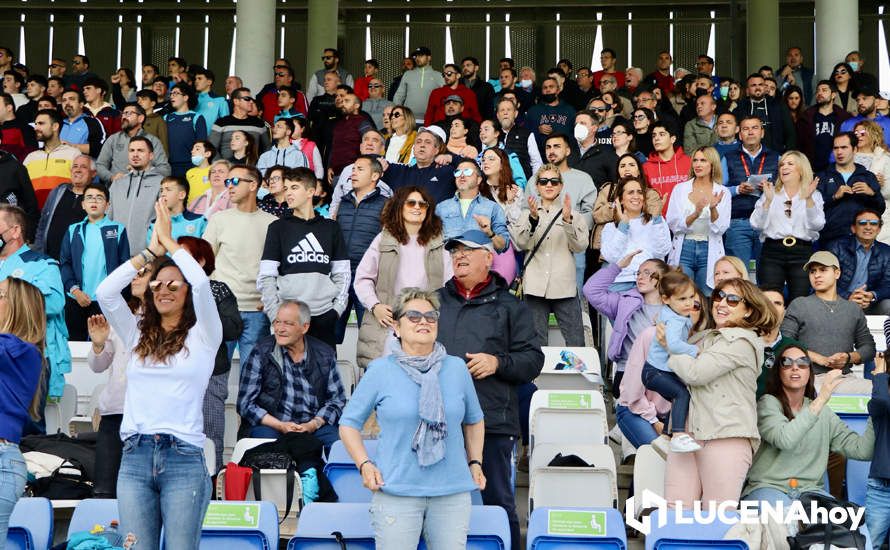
(616, 435)
(683, 443)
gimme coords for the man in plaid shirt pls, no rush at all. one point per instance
(290, 381)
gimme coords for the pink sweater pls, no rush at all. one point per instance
(634, 395)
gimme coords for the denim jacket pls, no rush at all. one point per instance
(454, 223)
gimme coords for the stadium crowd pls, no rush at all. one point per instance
(171, 225)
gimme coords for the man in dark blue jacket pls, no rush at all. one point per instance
(359, 219)
(865, 265)
(779, 129)
(847, 188)
(438, 180)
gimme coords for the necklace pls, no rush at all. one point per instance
(825, 303)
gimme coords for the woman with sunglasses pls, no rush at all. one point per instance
(163, 480)
(871, 152)
(274, 202)
(845, 94)
(501, 187)
(409, 251)
(789, 216)
(797, 431)
(400, 145)
(722, 381)
(109, 353)
(556, 233)
(22, 343)
(216, 197)
(642, 119)
(430, 454)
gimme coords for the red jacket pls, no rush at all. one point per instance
(269, 100)
(664, 175)
(663, 81)
(435, 108)
(361, 87)
(344, 149)
(110, 119)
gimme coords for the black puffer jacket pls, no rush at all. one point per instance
(16, 189)
(232, 324)
(360, 223)
(493, 322)
(599, 162)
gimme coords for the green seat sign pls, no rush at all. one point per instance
(849, 404)
(232, 515)
(569, 400)
(576, 522)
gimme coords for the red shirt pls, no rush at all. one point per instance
(473, 292)
(435, 109)
(619, 78)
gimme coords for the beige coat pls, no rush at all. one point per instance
(722, 382)
(604, 211)
(551, 272)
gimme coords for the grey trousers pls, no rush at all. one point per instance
(215, 413)
(568, 317)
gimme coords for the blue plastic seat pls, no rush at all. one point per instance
(541, 536)
(30, 525)
(338, 453)
(692, 536)
(93, 511)
(319, 519)
(857, 477)
(856, 422)
(262, 537)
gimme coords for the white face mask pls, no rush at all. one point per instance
(525, 83)
(581, 132)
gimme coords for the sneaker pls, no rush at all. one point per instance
(615, 435)
(661, 444)
(683, 443)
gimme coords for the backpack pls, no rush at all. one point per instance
(264, 457)
(829, 535)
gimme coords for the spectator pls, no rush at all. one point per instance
(112, 163)
(437, 179)
(325, 110)
(778, 132)
(199, 175)
(865, 265)
(667, 165)
(502, 352)
(274, 201)
(210, 106)
(22, 342)
(490, 138)
(643, 119)
(90, 250)
(727, 135)
(216, 198)
(872, 153)
(94, 91)
(798, 430)
(150, 73)
(18, 259)
(847, 188)
(833, 330)
(270, 98)
(792, 98)
(435, 109)
(307, 146)
(123, 87)
(597, 161)
(661, 76)
(133, 204)
(418, 83)
(34, 90)
(239, 120)
(699, 218)
(317, 272)
(845, 87)
(551, 115)
(184, 127)
(162, 421)
(548, 276)
(376, 103)
(817, 125)
(427, 460)
(177, 68)
(788, 216)
(794, 73)
(877, 408)
(576, 183)
(54, 87)
(518, 140)
(723, 372)
(499, 185)
(78, 130)
(866, 107)
(283, 152)
(745, 173)
(372, 144)
(623, 142)
(287, 99)
(701, 131)
(16, 136)
(16, 188)
(407, 65)
(243, 148)
(348, 129)
(483, 90)
(459, 140)
(400, 145)
(64, 207)
(730, 267)
(371, 71)
(109, 352)
(331, 61)
(154, 123)
(14, 85)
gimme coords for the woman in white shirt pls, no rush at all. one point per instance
(789, 216)
(872, 153)
(633, 229)
(698, 216)
(400, 145)
(163, 479)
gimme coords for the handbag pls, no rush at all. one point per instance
(516, 285)
(828, 535)
(259, 460)
(237, 481)
(67, 482)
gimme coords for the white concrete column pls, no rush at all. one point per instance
(762, 34)
(321, 33)
(837, 33)
(255, 42)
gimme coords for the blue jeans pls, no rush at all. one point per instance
(327, 434)
(13, 474)
(669, 386)
(741, 240)
(635, 428)
(694, 263)
(256, 327)
(399, 521)
(580, 264)
(877, 511)
(771, 495)
(163, 481)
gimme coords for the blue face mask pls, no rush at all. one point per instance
(261, 192)
(197, 160)
(854, 65)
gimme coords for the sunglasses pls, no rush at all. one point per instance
(449, 73)
(863, 223)
(431, 317)
(245, 98)
(731, 299)
(414, 203)
(788, 208)
(466, 172)
(801, 362)
(172, 286)
(648, 273)
(840, 71)
(696, 306)
(233, 182)
(326, 57)
(396, 115)
(375, 85)
(640, 117)
(281, 74)
(599, 109)
(142, 271)
(549, 182)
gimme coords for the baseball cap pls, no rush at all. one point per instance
(473, 238)
(884, 95)
(436, 131)
(422, 50)
(454, 97)
(823, 257)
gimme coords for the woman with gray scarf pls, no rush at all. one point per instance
(431, 434)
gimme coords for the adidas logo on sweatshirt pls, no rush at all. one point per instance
(308, 250)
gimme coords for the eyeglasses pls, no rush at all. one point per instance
(274, 179)
(128, 114)
(466, 172)
(619, 133)
(549, 182)
(788, 208)
(233, 182)
(860, 132)
(863, 223)
(431, 317)
(801, 362)
(94, 198)
(696, 306)
(640, 117)
(172, 286)
(599, 109)
(396, 114)
(175, 92)
(732, 300)
(415, 203)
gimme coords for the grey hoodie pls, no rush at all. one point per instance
(415, 88)
(133, 204)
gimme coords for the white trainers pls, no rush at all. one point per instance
(683, 443)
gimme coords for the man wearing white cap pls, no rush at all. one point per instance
(436, 177)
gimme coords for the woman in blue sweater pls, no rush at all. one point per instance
(22, 334)
(431, 434)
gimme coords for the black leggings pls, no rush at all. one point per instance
(108, 455)
(779, 264)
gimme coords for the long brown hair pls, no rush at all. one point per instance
(763, 318)
(644, 187)
(26, 319)
(774, 385)
(505, 176)
(155, 342)
(393, 222)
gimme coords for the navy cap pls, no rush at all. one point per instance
(474, 238)
(422, 50)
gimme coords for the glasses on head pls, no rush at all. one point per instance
(731, 299)
(863, 223)
(94, 198)
(233, 182)
(466, 172)
(788, 208)
(396, 114)
(801, 362)
(431, 317)
(417, 203)
(548, 182)
(172, 286)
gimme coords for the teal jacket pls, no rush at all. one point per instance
(186, 224)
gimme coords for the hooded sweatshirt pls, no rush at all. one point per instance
(663, 175)
(132, 203)
(415, 89)
(290, 156)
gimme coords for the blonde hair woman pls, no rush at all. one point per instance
(730, 267)
(789, 216)
(400, 144)
(871, 152)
